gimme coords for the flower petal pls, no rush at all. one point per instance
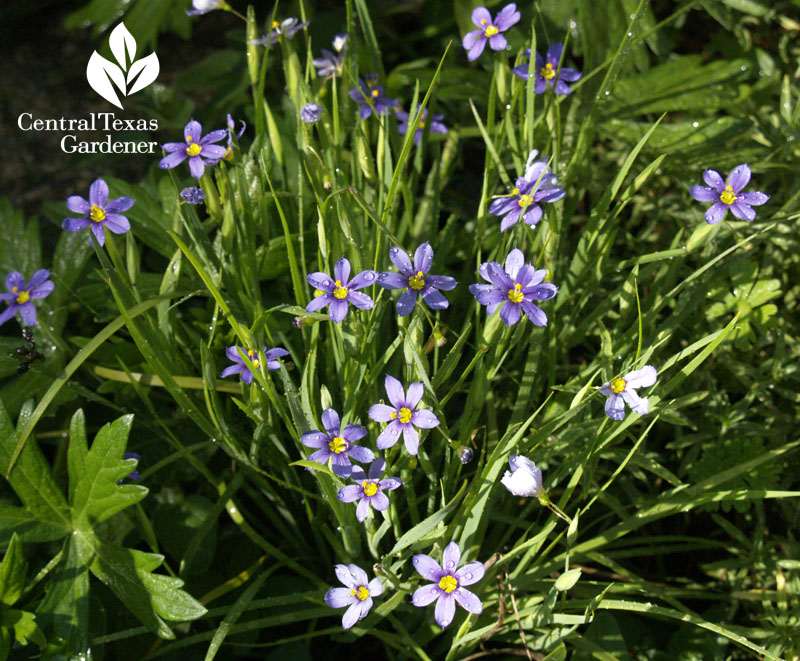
(376, 468)
(331, 422)
(196, 166)
(715, 213)
(315, 439)
(77, 204)
(543, 292)
(714, 179)
(451, 557)
(423, 258)
(414, 394)
(756, 198)
(426, 595)
(339, 597)
(75, 224)
(468, 601)
(499, 277)
(390, 280)
(321, 281)
(399, 257)
(360, 453)
(117, 223)
(375, 587)
(337, 310)
(380, 501)
(319, 302)
(192, 130)
(434, 299)
(406, 302)
(214, 136)
(352, 615)
(42, 290)
(554, 53)
(497, 42)
(510, 313)
(642, 378)
(353, 433)
(411, 439)
(445, 610)
(119, 204)
(615, 407)
(98, 193)
(470, 573)
(390, 483)
(381, 412)
(349, 493)
(743, 211)
(395, 392)
(640, 405)
(704, 194)
(739, 177)
(389, 436)
(362, 509)
(28, 312)
(364, 279)
(507, 17)
(481, 17)
(172, 160)
(441, 282)
(424, 419)
(427, 567)
(341, 270)
(477, 48)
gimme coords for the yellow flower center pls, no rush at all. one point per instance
(416, 281)
(252, 356)
(547, 72)
(228, 155)
(515, 191)
(421, 124)
(340, 291)
(525, 200)
(515, 295)
(483, 21)
(448, 583)
(193, 149)
(617, 386)
(370, 488)
(727, 196)
(404, 415)
(361, 593)
(22, 297)
(275, 25)
(97, 214)
(375, 94)
(337, 445)
(490, 31)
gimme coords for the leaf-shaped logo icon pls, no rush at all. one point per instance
(101, 73)
(120, 41)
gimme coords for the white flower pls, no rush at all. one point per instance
(622, 390)
(524, 479)
(339, 41)
(205, 6)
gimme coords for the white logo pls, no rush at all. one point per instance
(101, 72)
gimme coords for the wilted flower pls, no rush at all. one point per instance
(199, 151)
(135, 475)
(728, 196)
(98, 212)
(228, 155)
(474, 42)
(447, 588)
(369, 95)
(357, 595)
(547, 74)
(240, 367)
(193, 195)
(465, 455)
(310, 113)
(286, 28)
(436, 125)
(337, 445)
(20, 296)
(538, 184)
(402, 415)
(368, 488)
(623, 389)
(514, 288)
(339, 292)
(415, 280)
(205, 6)
(524, 479)
(330, 64)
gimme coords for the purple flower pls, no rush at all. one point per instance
(369, 95)
(337, 293)
(415, 280)
(514, 288)
(524, 479)
(135, 475)
(357, 595)
(205, 6)
(20, 296)
(622, 390)
(368, 488)
(447, 587)
(547, 73)
(193, 195)
(728, 196)
(330, 64)
(98, 212)
(240, 367)
(538, 184)
(402, 415)
(199, 151)
(286, 28)
(310, 113)
(436, 125)
(228, 155)
(337, 445)
(474, 42)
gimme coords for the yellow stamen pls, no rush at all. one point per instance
(515, 191)
(22, 297)
(448, 583)
(617, 386)
(228, 155)
(416, 281)
(15, 289)
(547, 72)
(193, 149)
(393, 415)
(525, 200)
(340, 292)
(515, 295)
(375, 94)
(727, 196)
(97, 214)
(483, 21)
(337, 445)
(251, 355)
(404, 415)
(275, 24)
(491, 31)
(318, 292)
(370, 488)
(361, 593)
